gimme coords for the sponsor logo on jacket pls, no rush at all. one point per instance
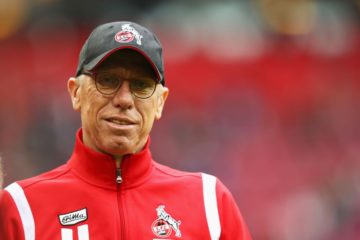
(73, 218)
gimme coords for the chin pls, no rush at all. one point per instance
(117, 148)
(120, 145)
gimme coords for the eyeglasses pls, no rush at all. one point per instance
(108, 83)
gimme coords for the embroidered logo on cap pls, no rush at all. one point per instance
(128, 34)
(164, 224)
(73, 218)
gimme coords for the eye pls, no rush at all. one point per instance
(142, 84)
(107, 80)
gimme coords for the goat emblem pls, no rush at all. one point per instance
(128, 34)
(163, 225)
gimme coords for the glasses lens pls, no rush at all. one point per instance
(143, 88)
(107, 83)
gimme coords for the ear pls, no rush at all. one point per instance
(161, 98)
(73, 86)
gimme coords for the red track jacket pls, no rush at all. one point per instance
(85, 199)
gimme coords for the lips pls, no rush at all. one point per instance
(118, 121)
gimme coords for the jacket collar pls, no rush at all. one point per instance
(100, 169)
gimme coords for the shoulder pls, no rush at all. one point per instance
(45, 178)
(19, 197)
(172, 173)
(201, 178)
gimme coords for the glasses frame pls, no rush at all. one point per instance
(94, 74)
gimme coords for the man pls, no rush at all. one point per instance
(111, 188)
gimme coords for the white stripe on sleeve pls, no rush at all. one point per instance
(24, 209)
(210, 202)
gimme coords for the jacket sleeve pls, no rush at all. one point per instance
(10, 222)
(232, 223)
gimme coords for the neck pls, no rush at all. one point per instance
(118, 161)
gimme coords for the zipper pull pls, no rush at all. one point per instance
(118, 176)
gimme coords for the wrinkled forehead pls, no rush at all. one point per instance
(128, 59)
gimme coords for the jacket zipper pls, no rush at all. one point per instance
(118, 176)
(119, 180)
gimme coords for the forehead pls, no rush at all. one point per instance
(130, 60)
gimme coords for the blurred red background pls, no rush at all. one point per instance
(263, 94)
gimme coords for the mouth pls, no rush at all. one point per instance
(120, 122)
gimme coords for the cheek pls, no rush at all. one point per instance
(92, 105)
(147, 112)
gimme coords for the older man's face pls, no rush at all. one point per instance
(118, 124)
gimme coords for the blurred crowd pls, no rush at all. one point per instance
(264, 94)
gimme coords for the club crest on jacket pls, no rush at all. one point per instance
(165, 224)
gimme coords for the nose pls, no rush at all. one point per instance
(123, 98)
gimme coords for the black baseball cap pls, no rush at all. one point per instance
(109, 38)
